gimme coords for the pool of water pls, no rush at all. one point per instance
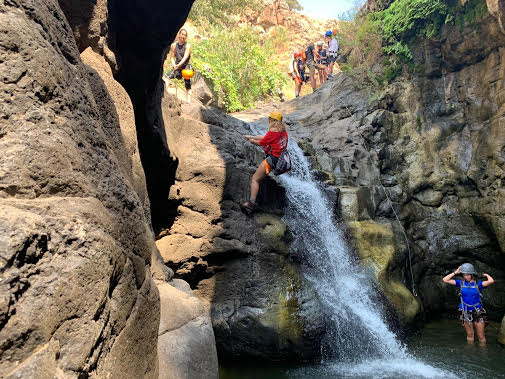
(439, 350)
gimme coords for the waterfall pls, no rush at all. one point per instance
(359, 342)
(342, 285)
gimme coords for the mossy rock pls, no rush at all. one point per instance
(375, 246)
(274, 231)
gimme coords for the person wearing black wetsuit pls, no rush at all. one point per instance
(180, 53)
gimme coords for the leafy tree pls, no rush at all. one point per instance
(216, 12)
(294, 5)
(238, 64)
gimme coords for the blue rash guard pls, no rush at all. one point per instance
(470, 295)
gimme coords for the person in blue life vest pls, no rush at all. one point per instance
(472, 312)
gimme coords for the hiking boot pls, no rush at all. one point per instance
(248, 207)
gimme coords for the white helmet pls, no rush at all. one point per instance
(467, 268)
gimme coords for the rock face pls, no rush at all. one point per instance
(437, 142)
(186, 346)
(74, 237)
(501, 333)
(240, 266)
(77, 248)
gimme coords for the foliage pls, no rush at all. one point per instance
(294, 5)
(389, 32)
(206, 13)
(406, 20)
(237, 62)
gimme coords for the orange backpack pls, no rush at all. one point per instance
(304, 56)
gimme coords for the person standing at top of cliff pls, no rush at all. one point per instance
(294, 70)
(180, 54)
(322, 60)
(332, 51)
(312, 57)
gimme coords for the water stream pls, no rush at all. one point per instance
(359, 342)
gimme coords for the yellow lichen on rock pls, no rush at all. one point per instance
(376, 248)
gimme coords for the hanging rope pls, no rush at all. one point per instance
(414, 292)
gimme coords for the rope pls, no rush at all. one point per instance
(414, 292)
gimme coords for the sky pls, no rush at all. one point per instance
(326, 8)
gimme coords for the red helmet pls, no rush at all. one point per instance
(298, 55)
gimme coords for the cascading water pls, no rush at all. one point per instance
(359, 340)
(342, 286)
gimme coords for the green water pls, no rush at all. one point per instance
(439, 350)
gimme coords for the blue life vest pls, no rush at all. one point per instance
(470, 295)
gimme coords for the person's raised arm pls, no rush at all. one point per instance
(172, 54)
(487, 282)
(449, 278)
(255, 140)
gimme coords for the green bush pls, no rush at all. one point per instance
(406, 20)
(216, 12)
(237, 62)
(294, 5)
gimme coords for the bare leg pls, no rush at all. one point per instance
(469, 332)
(313, 80)
(479, 328)
(256, 179)
(330, 69)
(298, 87)
(321, 76)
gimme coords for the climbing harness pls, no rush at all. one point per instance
(414, 292)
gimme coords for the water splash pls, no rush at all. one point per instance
(342, 285)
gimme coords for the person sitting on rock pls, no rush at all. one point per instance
(180, 53)
(274, 143)
(470, 307)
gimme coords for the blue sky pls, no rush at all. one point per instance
(326, 8)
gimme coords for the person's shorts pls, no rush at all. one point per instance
(270, 162)
(474, 316)
(177, 74)
(313, 65)
(298, 80)
(332, 58)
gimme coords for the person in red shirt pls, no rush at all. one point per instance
(274, 142)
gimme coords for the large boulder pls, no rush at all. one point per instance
(186, 346)
(75, 242)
